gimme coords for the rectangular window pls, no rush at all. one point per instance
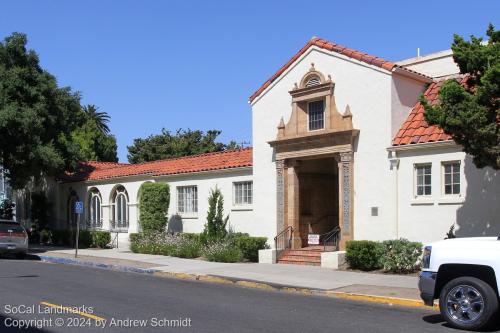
(316, 112)
(423, 181)
(451, 171)
(187, 199)
(242, 193)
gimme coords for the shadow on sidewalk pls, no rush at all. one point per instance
(44, 248)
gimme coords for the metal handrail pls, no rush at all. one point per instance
(94, 224)
(283, 240)
(118, 226)
(112, 243)
(332, 236)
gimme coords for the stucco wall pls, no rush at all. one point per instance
(241, 218)
(435, 65)
(476, 212)
(404, 95)
(367, 90)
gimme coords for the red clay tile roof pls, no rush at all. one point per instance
(324, 44)
(415, 129)
(197, 163)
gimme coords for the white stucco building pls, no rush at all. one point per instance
(339, 141)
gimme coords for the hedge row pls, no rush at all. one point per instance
(154, 199)
(396, 256)
(86, 238)
(235, 247)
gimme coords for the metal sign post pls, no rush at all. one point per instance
(79, 212)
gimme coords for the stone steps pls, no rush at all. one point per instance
(311, 257)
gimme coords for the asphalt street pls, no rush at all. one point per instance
(96, 300)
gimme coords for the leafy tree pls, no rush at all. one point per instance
(154, 199)
(100, 119)
(7, 208)
(36, 116)
(168, 145)
(470, 112)
(94, 143)
(215, 228)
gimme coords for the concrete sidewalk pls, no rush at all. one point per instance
(289, 276)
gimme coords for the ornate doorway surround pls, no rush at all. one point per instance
(314, 132)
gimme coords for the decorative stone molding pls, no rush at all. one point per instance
(347, 112)
(280, 194)
(346, 156)
(297, 125)
(312, 72)
(346, 183)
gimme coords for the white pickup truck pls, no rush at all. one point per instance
(464, 274)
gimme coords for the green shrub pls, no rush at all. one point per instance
(188, 248)
(100, 238)
(84, 239)
(62, 238)
(215, 228)
(45, 236)
(250, 246)
(155, 243)
(364, 255)
(154, 199)
(222, 252)
(401, 256)
(192, 236)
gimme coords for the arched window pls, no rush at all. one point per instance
(72, 216)
(120, 209)
(95, 210)
(314, 80)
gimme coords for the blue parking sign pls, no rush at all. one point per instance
(79, 207)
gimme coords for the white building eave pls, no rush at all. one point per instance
(152, 176)
(419, 146)
(412, 75)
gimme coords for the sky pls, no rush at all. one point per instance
(193, 64)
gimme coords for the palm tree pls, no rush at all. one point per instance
(101, 118)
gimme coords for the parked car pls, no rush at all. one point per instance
(464, 274)
(13, 238)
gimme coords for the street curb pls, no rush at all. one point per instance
(381, 299)
(392, 301)
(76, 262)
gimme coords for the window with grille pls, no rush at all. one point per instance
(187, 199)
(316, 112)
(242, 193)
(95, 210)
(451, 171)
(120, 209)
(423, 181)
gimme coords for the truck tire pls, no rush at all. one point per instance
(468, 303)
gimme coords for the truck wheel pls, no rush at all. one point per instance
(468, 303)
